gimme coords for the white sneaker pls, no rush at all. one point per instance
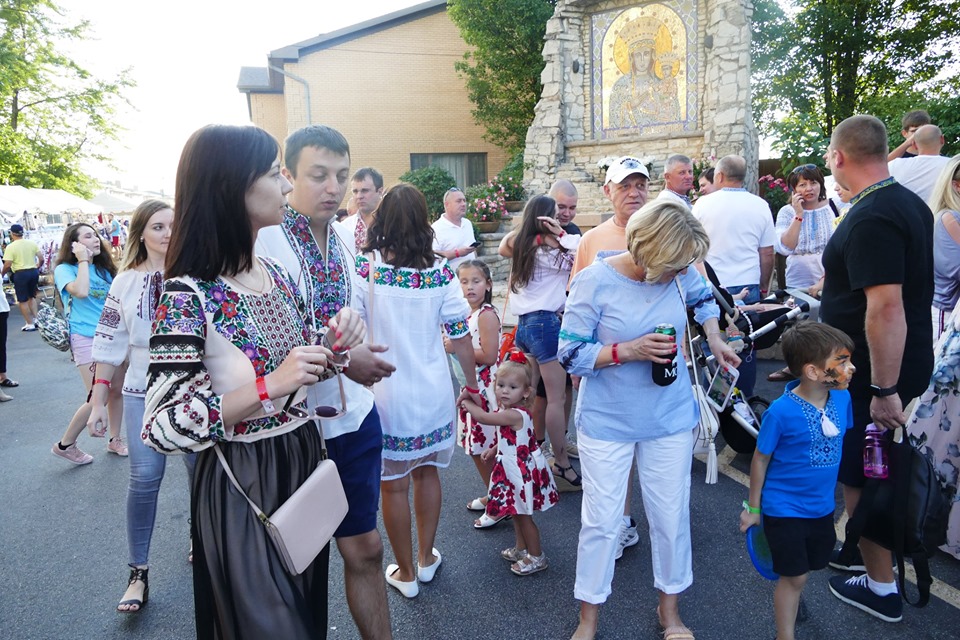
(4, 397)
(28, 327)
(628, 537)
(571, 448)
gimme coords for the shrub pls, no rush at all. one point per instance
(511, 178)
(775, 191)
(433, 182)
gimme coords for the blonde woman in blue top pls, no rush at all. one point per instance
(607, 337)
(83, 276)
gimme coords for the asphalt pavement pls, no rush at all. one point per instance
(63, 550)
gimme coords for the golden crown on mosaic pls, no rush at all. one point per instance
(640, 33)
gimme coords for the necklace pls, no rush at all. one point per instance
(886, 182)
(263, 280)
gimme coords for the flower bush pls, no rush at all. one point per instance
(511, 178)
(775, 191)
(487, 202)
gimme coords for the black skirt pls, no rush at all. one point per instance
(241, 589)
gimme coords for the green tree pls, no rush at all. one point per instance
(830, 59)
(54, 114)
(502, 71)
(433, 182)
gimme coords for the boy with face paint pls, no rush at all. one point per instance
(794, 469)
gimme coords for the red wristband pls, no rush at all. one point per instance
(97, 381)
(614, 354)
(539, 240)
(456, 253)
(264, 396)
(798, 218)
(473, 391)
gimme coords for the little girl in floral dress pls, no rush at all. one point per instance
(521, 481)
(484, 323)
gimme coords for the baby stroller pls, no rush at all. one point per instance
(740, 420)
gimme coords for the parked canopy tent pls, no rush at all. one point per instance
(112, 203)
(21, 199)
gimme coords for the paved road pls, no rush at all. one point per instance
(63, 551)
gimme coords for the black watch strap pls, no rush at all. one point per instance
(882, 392)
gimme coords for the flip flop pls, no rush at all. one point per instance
(8, 383)
(485, 521)
(677, 632)
(781, 375)
(477, 504)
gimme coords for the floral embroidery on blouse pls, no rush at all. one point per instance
(416, 443)
(405, 278)
(330, 278)
(183, 411)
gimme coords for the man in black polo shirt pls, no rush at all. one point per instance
(878, 289)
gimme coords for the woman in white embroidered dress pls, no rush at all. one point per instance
(230, 344)
(414, 295)
(123, 336)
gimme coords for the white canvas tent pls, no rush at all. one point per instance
(14, 200)
(113, 203)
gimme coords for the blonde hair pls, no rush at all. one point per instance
(664, 236)
(944, 196)
(136, 252)
(524, 369)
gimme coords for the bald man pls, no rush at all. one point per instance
(878, 286)
(920, 172)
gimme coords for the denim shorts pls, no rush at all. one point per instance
(358, 458)
(538, 333)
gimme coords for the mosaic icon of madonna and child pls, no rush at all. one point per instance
(647, 59)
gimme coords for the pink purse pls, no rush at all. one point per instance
(303, 525)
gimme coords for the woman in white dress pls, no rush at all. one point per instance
(413, 295)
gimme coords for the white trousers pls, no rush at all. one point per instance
(664, 469)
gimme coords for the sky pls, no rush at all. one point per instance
(186, 56)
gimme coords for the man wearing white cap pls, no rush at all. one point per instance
(626, 186)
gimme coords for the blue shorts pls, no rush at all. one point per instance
(25, 283)
(359, 458)
(538, 333)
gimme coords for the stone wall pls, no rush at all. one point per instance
(563, 141)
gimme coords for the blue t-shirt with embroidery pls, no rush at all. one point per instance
(83, 313)
(802, 474)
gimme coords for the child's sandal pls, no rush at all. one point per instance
(529, 565)
(513, 554)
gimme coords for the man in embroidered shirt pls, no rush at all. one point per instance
(319, 254)
(366, 185)
(878, 287)
(453, 235)
(678, 179)
(626, 187)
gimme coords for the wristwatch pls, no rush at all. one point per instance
(882, 392)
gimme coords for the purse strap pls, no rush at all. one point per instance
(233, 479)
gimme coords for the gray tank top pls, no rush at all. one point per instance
(946, 264)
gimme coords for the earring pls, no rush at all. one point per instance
(141, 239)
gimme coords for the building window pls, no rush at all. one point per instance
(467, 169)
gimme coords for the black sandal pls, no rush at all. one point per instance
(576, 482)
(135, 575)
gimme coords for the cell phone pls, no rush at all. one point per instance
(721, 387)
(476, 244)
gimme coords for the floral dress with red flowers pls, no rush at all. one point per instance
(521, 481)
(475, 438)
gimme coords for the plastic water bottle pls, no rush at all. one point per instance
(875, 452)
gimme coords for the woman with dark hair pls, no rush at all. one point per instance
(83, 275)
(542, 259)
(231, 343)
(803, 228)
(413, 294)
(123, 336)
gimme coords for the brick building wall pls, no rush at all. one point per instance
(268, 111)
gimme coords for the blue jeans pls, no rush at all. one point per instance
(146, 472)
(538, 334)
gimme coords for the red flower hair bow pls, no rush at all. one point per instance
(517, 356)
